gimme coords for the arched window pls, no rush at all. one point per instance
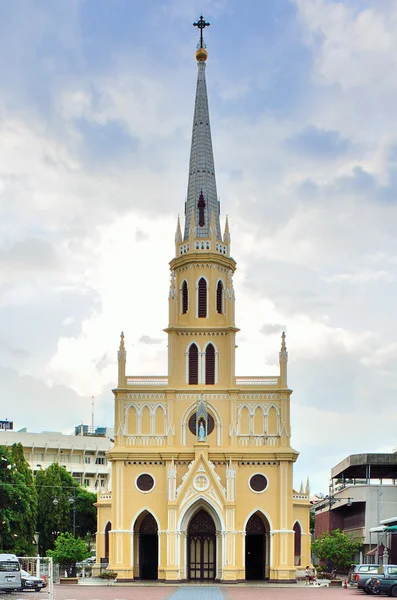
(297, 544)
(193, 365)
(201, 207)
(219, 298)
(185, 298)
(202, 298)
(107, 529)
(210, 365)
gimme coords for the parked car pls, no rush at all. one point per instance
(385, 582)
(359, 575)
(91, 560)
(30, 582)
(10, 573)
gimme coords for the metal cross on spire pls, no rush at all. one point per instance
(201, 24)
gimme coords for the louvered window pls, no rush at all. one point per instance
(219, 297)
(193, 365)
(185, 298)
(210, 365)
(202, 298)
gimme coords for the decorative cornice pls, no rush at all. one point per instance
(202, 260)
(258, 396)
(183, 396)
(260, 463)
(160, 463)
(202, 331)
(143, 396)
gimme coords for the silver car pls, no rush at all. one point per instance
(361, 573)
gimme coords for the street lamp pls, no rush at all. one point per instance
(329, 501)
(332, 500)
(72, 502)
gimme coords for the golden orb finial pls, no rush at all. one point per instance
(201, 55)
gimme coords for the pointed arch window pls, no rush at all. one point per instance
(201, 207)
(185, 297)
(202, 298)
(219, 298)
(297, 543)
(210, 365)
(193, 365)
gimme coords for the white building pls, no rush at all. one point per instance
(83, 454)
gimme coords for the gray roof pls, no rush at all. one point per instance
(371, 466)
(201, 168)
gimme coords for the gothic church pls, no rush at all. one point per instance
(202, 465)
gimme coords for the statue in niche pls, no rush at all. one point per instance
(201, 420)
(201, 432)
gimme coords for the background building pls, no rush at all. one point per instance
(202, 466)
(363, 494)
(83, 454)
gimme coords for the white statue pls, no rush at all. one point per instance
(201, 432)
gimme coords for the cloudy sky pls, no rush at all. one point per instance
(96, 105)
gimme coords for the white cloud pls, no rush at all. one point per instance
(87, 220)
(358, 47)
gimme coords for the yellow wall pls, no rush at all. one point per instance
(251, 436)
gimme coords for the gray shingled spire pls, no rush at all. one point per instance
(201, 170)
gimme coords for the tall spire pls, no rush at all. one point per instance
(201, 185)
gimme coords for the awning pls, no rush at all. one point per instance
(391, 528)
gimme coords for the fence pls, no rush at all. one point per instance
(37, 578)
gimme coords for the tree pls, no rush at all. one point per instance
(68, 550)
(86, 513)
(25, 528)
(336, 547)
(54, 488)
(60, 500)
(17, 504)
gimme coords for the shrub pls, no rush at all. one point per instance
(108, 575)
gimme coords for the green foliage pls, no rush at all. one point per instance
(312, 521)
(108, 575)
(54, 518)
(68, 550)
(26, 527)
(336, 547)
(86, 513)
(18, 502)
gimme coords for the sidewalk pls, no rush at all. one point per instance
(96, 581)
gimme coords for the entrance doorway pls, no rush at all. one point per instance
(148, 548)
(255, 548)
(107, 529)
(201, 547)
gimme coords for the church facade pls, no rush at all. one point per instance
(202, 466)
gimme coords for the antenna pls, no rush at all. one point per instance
(92, 413)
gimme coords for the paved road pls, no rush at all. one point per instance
(203, 592)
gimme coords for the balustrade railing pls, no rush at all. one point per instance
(257, 380)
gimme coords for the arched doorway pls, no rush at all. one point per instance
(255, 548)
(107, 529)
(148, 548)
(201, 540)
(297, 544)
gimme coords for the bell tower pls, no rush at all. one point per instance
(201, 329)
(202, 463)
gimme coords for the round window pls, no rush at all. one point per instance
(145, 482)
(258, 483)
(192, 424)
